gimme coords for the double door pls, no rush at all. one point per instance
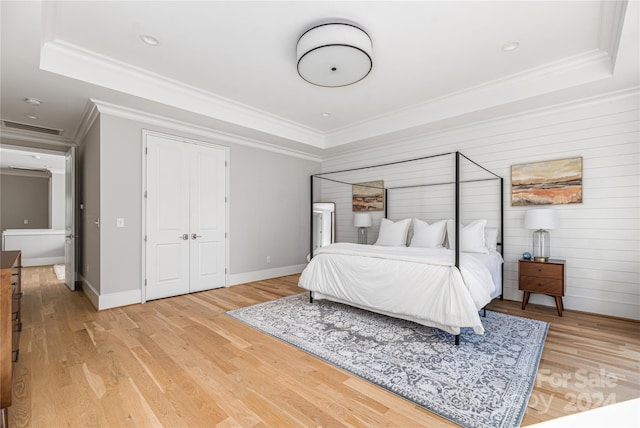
(186, 217)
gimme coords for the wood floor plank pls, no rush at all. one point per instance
(182, 361)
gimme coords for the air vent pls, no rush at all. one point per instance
(32, 128)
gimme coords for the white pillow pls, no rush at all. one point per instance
(428, 235)
(393, 234)
(491, 238)
(471, 236)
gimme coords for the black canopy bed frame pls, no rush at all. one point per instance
(457, 156)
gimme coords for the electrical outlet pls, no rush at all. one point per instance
(119, 222)
(87, 268)
(26, 221)
(268, 259)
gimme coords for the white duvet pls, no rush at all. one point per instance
(419, 284)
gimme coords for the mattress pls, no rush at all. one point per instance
(419, 284)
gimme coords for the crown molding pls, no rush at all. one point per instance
(452, 131)
(178, 125)
(611, 24)
(579, 69)
(89, 115)
(58, 56)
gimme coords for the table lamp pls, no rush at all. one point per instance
(362, 220)
(540, 220)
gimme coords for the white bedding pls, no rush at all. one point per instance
(418, 284)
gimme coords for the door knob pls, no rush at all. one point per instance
(69, 237)
(194, 236)
(185, 236)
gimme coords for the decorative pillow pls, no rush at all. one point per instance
(428, 235)
(393, 234)
(491, 238)
(471, 236)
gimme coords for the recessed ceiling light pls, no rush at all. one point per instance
(31, 116)
(36, 156)
(325, 114)
(32, 101)
(150, 40)
(512, 46)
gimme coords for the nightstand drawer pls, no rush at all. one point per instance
(541, 285)
(541, 270)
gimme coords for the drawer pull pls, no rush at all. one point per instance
(15, 316)
(17, 296)
(18, 328)
(16, 354)
(15, 274)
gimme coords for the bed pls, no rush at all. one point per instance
(439, 274)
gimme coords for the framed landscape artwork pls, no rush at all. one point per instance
(368, 196)
(547, 183)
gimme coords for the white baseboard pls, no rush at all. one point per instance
(89, 291)
(42, 261)
(243, 278)
(122, 298)
(111, 300)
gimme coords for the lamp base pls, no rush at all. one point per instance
(362, 235)
(541, 259)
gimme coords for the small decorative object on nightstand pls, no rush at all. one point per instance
(542, 277)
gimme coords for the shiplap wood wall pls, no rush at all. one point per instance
(599, 239)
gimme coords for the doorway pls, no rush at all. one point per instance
(40, 221)
(186, 207)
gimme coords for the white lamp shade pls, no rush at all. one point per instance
(334, 54)
(546, 218)
(362, 220)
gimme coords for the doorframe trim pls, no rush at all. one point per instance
(227, 157)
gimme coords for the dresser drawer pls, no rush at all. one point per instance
(541, 270)
(542, 285)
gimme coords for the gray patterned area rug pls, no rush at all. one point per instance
(484, 382)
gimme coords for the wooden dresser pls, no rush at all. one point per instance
(10, 324)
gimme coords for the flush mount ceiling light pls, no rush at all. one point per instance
(335, 54)
(508, 47)
(150, 40)
(32, 101)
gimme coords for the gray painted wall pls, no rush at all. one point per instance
(268, 202)
(89, 196)
(57, 200)
(24, 198)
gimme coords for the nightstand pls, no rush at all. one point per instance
(542, 277)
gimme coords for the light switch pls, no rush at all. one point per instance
(119, 222)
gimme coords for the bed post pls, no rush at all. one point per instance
(502, 233)
(457, 339)
(310, 217)
(386, 196)
(310, 296)
(457, 212)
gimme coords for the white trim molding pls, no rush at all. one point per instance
(197, 130)
(243, 278)
(67, 59)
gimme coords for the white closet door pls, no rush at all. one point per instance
(168, 237)
(207, 255)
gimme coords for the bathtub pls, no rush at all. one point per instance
(39, 246)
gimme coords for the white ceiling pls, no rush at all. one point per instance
(27, 159)
(232, 65)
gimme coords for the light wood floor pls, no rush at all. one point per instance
(182, 362)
